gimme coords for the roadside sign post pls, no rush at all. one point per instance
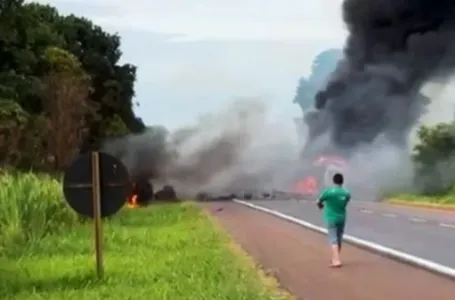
(97, 213)
(96, 185)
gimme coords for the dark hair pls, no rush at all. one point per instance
(338, 179)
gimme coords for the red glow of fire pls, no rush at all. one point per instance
(132, 201)
(309, 185)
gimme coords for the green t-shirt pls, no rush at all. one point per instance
(335, 200)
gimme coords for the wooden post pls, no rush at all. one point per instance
(97, 213)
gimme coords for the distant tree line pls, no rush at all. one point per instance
(62, 88)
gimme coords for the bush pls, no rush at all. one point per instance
(434, 158)
(31, 207)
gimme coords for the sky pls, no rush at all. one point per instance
(194, 56)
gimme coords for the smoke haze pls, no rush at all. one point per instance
(240, 148)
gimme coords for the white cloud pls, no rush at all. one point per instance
(221, 19)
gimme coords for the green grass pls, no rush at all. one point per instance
(31, 207)
(443, 200)
(168, 251)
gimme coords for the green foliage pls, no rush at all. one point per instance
(36, 42)
(13, 120)
(31, 206)
(11, 115)
(435, 143)
(114, 127)
(434, 157)
(61, 61)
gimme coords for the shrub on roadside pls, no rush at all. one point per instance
(31, 207)
(434, 158)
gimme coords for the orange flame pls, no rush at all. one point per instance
(307, 186)
(132, 201)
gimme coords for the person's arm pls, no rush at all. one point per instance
(321, 199)
(348, 198)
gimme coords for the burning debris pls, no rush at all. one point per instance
(142, 194)
(318, 174)
(132, 201)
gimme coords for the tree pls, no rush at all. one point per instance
(113, 84)
(434, 158)
(114, 127)
(66, 92)
(48, 63)
(12, 121)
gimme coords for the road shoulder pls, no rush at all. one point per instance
(299, 259)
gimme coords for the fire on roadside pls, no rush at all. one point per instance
(307, 186)
(313, 182)
(132, 201)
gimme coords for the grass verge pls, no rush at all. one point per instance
(163, 252)
(446, 201)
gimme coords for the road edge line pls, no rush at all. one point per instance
(371, 246)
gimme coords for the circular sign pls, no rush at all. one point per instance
(115, 186)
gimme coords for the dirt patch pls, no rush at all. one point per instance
(299, 259)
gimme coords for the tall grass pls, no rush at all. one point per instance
(31, 207)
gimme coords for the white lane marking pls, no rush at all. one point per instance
(398, 255)
(417, 220)
(389, 215)
(367, 211)
(446, 225)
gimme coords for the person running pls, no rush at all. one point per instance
(333, 202)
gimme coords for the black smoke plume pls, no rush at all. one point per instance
(393, 48)
(238, 149)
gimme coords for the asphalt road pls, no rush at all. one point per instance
(423, 233)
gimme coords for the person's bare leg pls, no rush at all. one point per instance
(340, 245)
(333, 234)
(340, 234)
(335, 256)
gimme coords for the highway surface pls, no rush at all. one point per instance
(422, 233)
